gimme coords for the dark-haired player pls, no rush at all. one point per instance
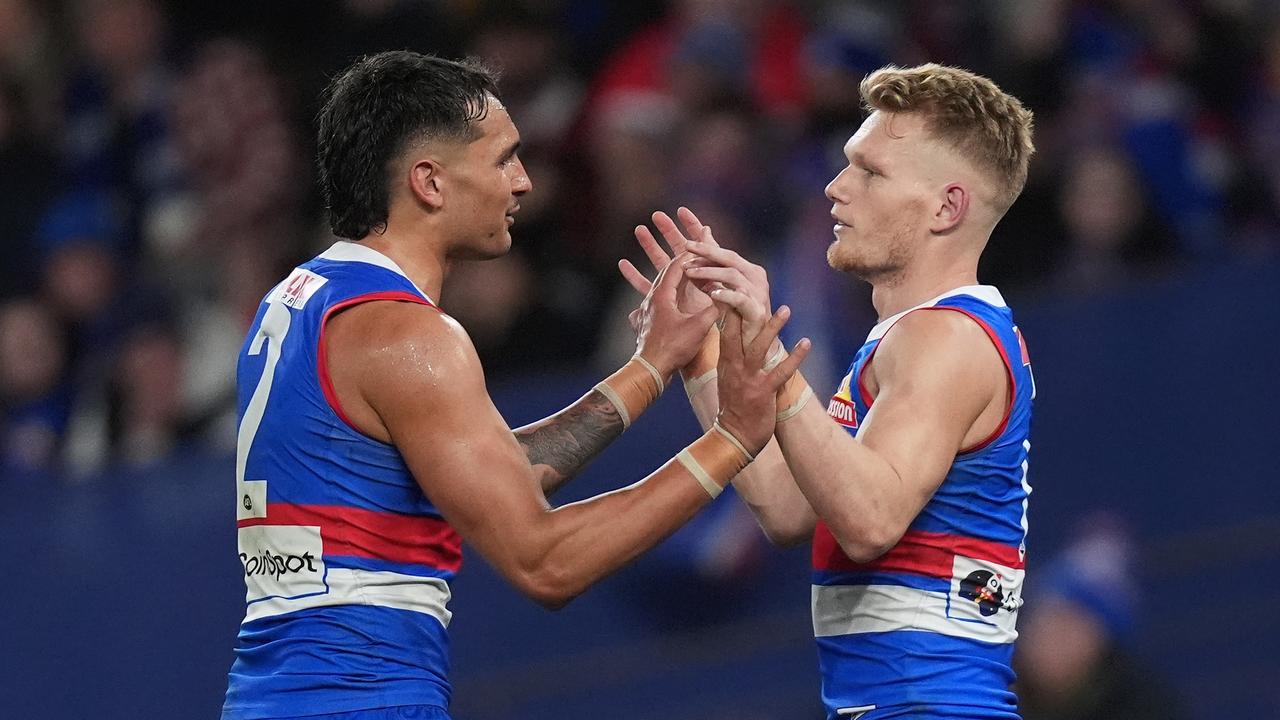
(368, 446)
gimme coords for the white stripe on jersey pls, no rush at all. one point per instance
(349, 586)
(854, 609)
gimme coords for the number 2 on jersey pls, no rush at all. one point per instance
(251, 495)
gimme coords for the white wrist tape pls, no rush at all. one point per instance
(685, 458)
(795, 408)
(694, 385)
(657, 376)
(736, 443)
(613, 397)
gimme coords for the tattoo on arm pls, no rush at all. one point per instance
(561, 445)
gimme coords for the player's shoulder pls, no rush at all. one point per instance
(936, 340)
(934, 329)
(395, 339)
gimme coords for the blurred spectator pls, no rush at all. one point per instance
(34, 396)
(240, 151)
(706, 50)
(1110, 234)
(27, 182)
(1257, 193)
(118, 139)
(1073, 650)
(136, 418)
(31, 64)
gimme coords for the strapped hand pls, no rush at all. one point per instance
(747, 390)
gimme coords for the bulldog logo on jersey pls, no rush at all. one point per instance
(984, 588)
(841, 408)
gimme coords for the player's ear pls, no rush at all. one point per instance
(951, 209)
(426, 181)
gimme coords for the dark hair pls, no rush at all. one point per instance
(373, 110)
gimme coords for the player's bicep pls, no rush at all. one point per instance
(935, 378)
(428, 388)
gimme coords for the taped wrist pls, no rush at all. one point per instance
(786, 412)
(705, 360)
(632, 388)
(790, 392)
(714, 459)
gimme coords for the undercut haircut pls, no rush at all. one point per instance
(375, 110)
(981, 122)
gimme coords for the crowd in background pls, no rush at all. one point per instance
(156, 173)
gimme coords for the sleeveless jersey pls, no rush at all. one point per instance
(347, 563)
(927, 630)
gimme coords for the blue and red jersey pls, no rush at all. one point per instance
(347, 563)
(927, 629)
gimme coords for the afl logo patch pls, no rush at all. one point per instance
(298, 288)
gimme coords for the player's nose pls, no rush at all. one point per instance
(834, 189)
(521, 183)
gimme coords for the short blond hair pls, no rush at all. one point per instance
(967, 111)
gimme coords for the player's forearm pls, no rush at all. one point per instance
(580, 543)
(558, 447)
(855, 491)
(766, 485)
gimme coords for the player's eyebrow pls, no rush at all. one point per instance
(858, 158)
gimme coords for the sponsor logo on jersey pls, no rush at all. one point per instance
(841, 408)
(269, 562)
(987, 588)
(984, 588)
(283, 561)
(298, 288)
(843, 412)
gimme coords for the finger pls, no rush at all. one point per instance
(670, 232)
(741, 304)
(668, 281)
(634, 277)
(731, 334)
(692, 224)
(720, 256)
(788, 367)
(760, 344)
(729, 277)
(633, 319)
(649, 244)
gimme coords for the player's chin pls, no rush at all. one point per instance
(841, 257)
(491, 247)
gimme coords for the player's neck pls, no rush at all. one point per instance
(422, 263)
(910, 289)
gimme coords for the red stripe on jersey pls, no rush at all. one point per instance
(1022, 346)
(354, 532)
(322, 357)
(918, 553)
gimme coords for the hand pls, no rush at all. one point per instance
(747, 391)
(667, 336)
(694, 298)
(729, 272)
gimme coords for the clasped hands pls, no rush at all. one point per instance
(707, 313)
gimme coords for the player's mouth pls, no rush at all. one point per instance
(840, 224)
(511, 214)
